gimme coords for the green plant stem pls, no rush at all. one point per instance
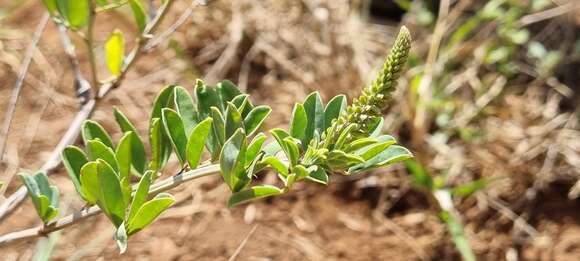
(89, 40)
(76, 217)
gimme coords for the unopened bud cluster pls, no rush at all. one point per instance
(375, 97)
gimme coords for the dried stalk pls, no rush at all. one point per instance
(18, 85)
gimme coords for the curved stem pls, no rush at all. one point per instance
(76, 217)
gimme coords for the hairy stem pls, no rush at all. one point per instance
(77, 217)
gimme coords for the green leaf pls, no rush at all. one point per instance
(62, 7)
(164, 147)
(254, 148)
(78, 13)
(293, 152)
(44, 196)
(207, 97)
(280, 135)
(176, 131)
(467, 189)
(233, 119)
(333, 109)
(33, 191)
(457, 233)
(90, 189)
(243, 104)
(43, 207)
(232, 161)
(376, 126)
(340, 142)
(300, 171)
(372, 150)
(111, 199)
(288, 180)
(73, 159)
(98, 150)
(196, 142)
(139, 14)
(50, 6)
(256, 118)
(123, 155)
(360, 143)
(339, 160)
(318, 176)
(186, 108)
(121, 238)
(141, 194)
(157, 146)
(219, 127)
(227, 91)
(115, 52)
(298, 124)
(391, 155)
(92, 130)
(138, 155)
(149, 212)
(315, 115)
(420, 176)
(255, 192)
(103, 2)
(276, 164)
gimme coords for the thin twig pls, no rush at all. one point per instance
(54, 160)
(548, 14)
(165, 34)
(224, 62)
(244, 242)
(19, 81)
(82, 86)
(76, 217)
(89, 42)
(424, 91)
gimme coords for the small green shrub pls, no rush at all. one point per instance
(221, 120)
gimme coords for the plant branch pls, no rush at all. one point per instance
(76, 217)
(19, 81)
(88, 104)
(89, 41)
(82, 86)
(54, 159)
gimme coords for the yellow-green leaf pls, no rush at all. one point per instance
(115, 52)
